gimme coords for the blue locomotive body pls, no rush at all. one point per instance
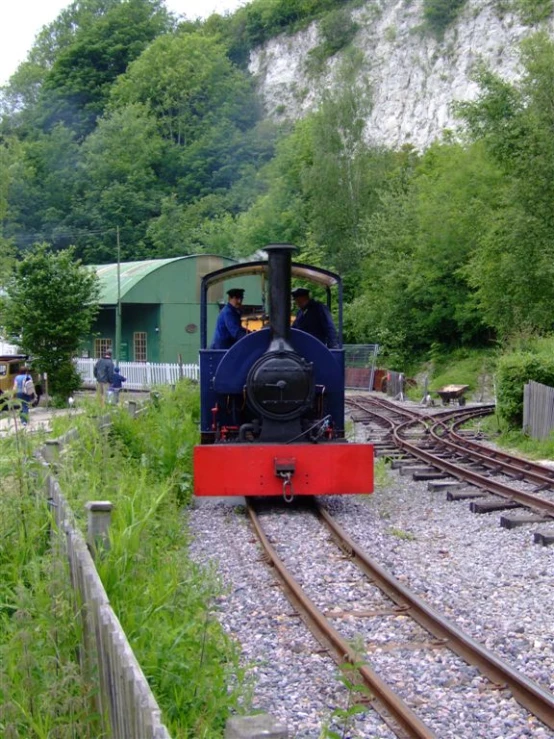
(272, 405)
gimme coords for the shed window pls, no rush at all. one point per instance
(101, 346)
(139, 341)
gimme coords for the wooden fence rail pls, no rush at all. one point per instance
(124, 701)
(538, 410)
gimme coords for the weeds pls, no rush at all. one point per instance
(381, 472)
(401, 534)
(164, 601)
(343, 718)
(42, 693)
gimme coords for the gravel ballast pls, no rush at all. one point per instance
(494, 583)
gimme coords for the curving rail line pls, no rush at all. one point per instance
(530, 500)
(496, 462)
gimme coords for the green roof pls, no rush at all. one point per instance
(131, 273)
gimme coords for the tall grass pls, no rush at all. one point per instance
(164, 601)
(42, 693)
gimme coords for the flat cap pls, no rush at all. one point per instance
(300, 292)
(236, 292)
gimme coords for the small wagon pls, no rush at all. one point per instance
(453, 392)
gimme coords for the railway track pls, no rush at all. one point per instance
(437, 440)
(429, 630)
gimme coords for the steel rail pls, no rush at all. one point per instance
(534, 698)
(531, 470)
(463, 414)
(320, 626)
(542, 477)
(529, 500)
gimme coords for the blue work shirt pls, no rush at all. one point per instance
(315, 319)
(228, 328)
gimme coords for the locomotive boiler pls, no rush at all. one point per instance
(272, 405)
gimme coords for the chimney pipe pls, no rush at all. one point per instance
(279, 257)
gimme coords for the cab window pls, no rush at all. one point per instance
(3, 370)
(14, 368)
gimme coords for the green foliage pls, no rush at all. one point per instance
(439, 14)
(337, 29)
(472, 367)
(163, 600)
(401, 534)
(511, 272)
(322, 182)
(517, 440)
(122, 160)
(454, 246)
(164, 439)
(51, 303)
(42, 693)
(533, 11)
(261, 20)
(415, 247)
(343, 718)
(77, 87)
(514, 370)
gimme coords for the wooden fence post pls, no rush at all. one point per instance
(51, 450)
(98, 524)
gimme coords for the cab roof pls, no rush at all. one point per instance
(301, 271)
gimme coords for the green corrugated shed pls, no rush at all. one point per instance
(131, 274)
(160, 306)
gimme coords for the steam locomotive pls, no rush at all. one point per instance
(272, 406)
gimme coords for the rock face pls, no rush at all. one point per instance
(413, 77)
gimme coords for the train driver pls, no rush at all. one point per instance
(314, 318)
(228, 328)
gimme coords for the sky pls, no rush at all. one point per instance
(21, 20)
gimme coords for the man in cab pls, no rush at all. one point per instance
(314, 318)
(228, 327)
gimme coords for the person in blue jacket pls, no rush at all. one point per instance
(116, 386)
(228, 328)
(314, 318)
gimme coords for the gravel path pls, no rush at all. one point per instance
(494, 583)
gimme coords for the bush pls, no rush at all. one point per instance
(163, 440)
(513, 372)
(439, 14)
(534, 11)
(337, 30)
(258, 21)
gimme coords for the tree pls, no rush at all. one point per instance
(119, 184)
(52, 301)
(77, 87)
(512, 271)
(190, 85)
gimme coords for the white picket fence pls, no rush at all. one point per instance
(142, 375)
(6, 348)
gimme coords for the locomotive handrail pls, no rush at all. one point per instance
(318, 275)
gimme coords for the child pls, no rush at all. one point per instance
(24, 390)
(116, 386)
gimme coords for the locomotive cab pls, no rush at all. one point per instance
(272, 406)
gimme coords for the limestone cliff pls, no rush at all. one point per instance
(413, 76)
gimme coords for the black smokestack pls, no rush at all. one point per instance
(279, 257)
